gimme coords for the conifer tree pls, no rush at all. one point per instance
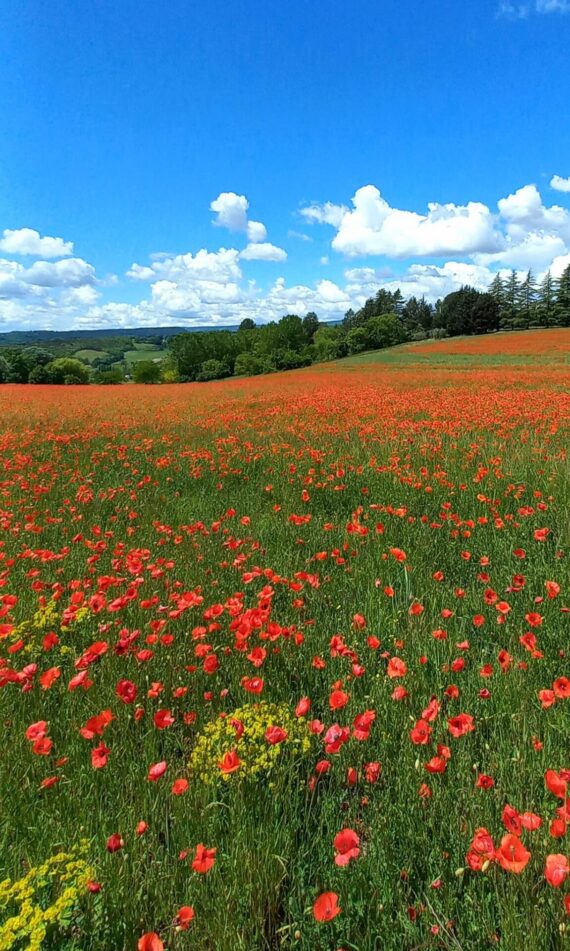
(546, 301)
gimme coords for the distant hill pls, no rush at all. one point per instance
(30, 338)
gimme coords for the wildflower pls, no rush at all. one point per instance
(203, 859)
(326, 907)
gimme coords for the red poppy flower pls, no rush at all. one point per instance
(512, 855)
(179, 787)
(203, 859)
(230, 763)
(326, 907)
(396, 668)
(346, 844)
(556, 870)
(150, 942)
(99, 756)
(557, 783)
(156, 771)
(274, 735)
(338, 699)
(163, 719)
(184, 917)
(114, 842)
(460, 725)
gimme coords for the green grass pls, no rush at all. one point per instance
(87, 356)
(136, 356)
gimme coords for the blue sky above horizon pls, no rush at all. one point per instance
(200, 163)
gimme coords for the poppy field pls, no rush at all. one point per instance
(285, 661)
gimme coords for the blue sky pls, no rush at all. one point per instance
(202, 162)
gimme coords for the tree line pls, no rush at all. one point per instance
(386, 319)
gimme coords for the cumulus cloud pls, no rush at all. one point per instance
(524, 212)
(419, 280)
(70, 272)
(445, 247)
(26, 241)
(256, 231)
(560, 184)
(231, 213)
(263, 252)
(522, 233)
(327, 214)
(219, 266)
(373, 227)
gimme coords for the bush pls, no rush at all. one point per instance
(146, 371)
(248, 364)
(66, 370)
(213, 370)
(109, 377)
(357, 340)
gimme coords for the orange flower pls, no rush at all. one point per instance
(346, 844)
(556, 870)
(150, 942)
(326, 907)
(230, 763)
(203, 859)
(512, 855)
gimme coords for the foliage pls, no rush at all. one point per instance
(245, 736)
(146, 371)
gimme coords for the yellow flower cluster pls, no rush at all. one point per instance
(243, 732)
(60, 881)
(45, 619)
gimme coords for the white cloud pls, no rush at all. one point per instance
(467, 244)
(26, 241)
(299, 235)
(219, 266)
(70, 272)
(373, 227)
(327, 214)
(256, 231)
(419, 280)
(559, 265)
(524, 233)
(560, 184)
(231, 213)
(535, 251)
(263, 252)
(524, 212)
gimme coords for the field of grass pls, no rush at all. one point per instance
(149, 353)
(89, 355)
(284, 661)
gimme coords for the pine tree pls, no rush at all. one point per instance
(528, 297)
(546, 301)
(512, 298)
(498, 293)
(563, 299)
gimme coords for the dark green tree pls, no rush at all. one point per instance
(146, 371)
(310, 326)
(546, 301)
(563, 299)
(66, 370)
